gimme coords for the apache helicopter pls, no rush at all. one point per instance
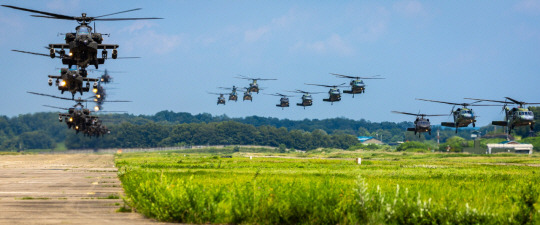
(83, 44)
(77, 117)
(421, 124)
(221, 99)
(253, 86)
(334, 93)
(284, 101)
(233, 96)
(72, 81)
(515, 117)
(307, 100)
(106, 78)
(96, 128)
(462, 116)
(357, 85)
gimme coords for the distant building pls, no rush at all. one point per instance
(369, 140)
(510, 147)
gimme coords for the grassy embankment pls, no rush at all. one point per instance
(387, 188)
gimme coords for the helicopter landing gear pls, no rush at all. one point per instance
(456, 129)
(73, 96)
(429, 132)
(473, 125)
(532, 127)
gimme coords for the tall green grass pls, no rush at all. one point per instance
(387, 189)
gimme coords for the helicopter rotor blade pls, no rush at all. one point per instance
(406, 113)
(33, 53)
(52, 15)
(116, 101)
(131, 10)
(120, 19)
(487, 100)
(55, 107)
(52, 96)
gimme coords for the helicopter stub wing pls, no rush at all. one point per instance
(107, 46)
(90, 79)
(63, 46)
(52, 76)
(499, 123)
(448, 124)
(411, 129)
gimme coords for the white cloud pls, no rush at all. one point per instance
(528, 6)
(409, 8)
(255, 35)
(155, 42)
(332, 45)
(276, 24)
(64, 6)
(138, 25)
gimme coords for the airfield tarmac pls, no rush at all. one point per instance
(62, 189)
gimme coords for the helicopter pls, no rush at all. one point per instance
(462, 116)
(96, 128)
(106, 78)
(421, 124)
(72, 81)
(334, 93)
(247, 94)
(253, 86)
(233, 96)
(307, 100)
(515, 117)
(221, 99)
(357, 85)
(78, 117)
(284, 101)
(83, 45)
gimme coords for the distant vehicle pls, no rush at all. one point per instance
(334, 94)
(284, 101)
(462, 116)
(515, 117)
(357, 84)
(233, 95)
(253, 86)
(307, 99)
(221, 99)
(421, 124)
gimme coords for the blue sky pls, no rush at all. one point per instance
(442, 50)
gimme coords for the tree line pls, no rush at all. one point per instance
(167, 128)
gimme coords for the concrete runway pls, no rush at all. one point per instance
(61, 189)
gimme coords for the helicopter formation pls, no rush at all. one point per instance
(356, 85)
(464, 115)
(80, 50)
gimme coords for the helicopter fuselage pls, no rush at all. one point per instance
(334, 95)
(516, 117)
(357, 87)
(283, 102)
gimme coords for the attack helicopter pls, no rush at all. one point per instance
(221, 99)
(253, 86)
(515, 117)
(72, 81)
(334, 93)
(106, 78)
(96, 128)
(357, 84)
(233, 96)
(284, 101)
(462, 116)
(421, 124)
(78, 117)
(83, 45)
(307, 100)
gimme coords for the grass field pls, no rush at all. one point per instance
(387, 188)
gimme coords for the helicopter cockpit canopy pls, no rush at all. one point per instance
(334, 91)
(423, 123)
(83, 30)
